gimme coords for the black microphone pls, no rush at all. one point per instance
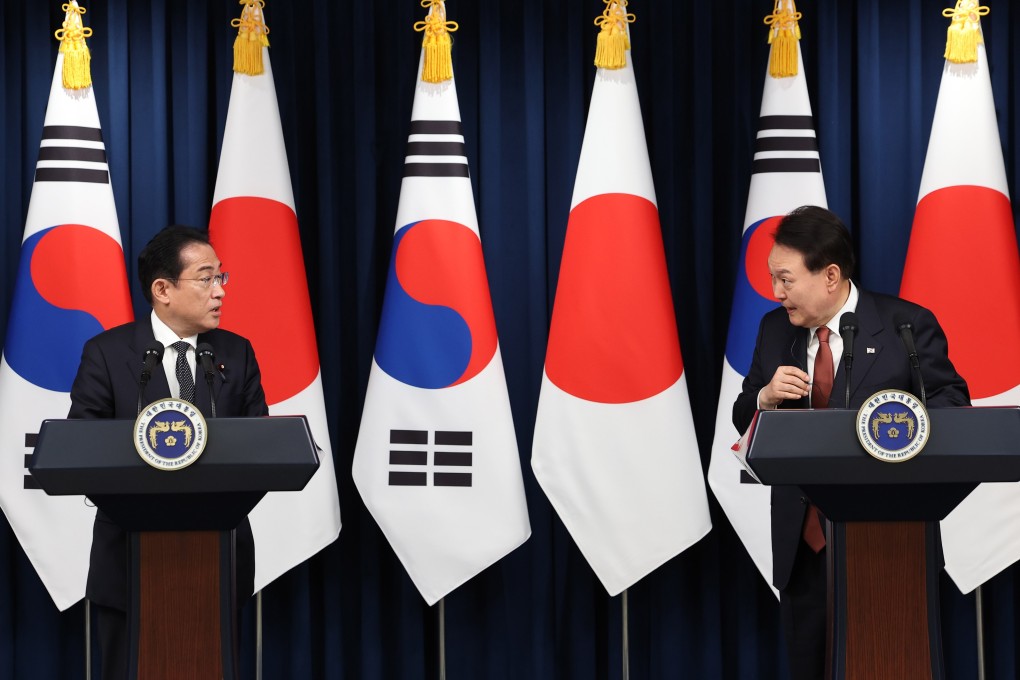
(153, 355)
(205, 355)
(847, 331)
(906, 331)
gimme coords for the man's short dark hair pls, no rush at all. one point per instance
(161, 257)
(820, 236)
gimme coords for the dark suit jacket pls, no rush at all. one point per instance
(880, 362)
(107, 387)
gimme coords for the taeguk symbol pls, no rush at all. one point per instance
(752, 296)
(71, 285)
(437, 329)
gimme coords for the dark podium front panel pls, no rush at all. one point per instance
(819, 451)
(244, 458)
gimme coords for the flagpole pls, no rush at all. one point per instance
(88, 640)
(442, 638)
(626, 636)
(258, 635)
(980, 625)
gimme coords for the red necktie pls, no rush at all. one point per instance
(820, 389)
(822, 385)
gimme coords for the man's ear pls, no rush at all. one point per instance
(833, 275)
(160, 292)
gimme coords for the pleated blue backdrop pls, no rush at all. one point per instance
(344, 75)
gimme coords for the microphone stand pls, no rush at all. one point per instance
(848, 361)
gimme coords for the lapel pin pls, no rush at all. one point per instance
(870, 350)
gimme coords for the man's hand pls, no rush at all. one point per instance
(789, 382)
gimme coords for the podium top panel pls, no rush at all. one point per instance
(97, 457)
(820, 447)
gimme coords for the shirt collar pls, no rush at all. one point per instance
(167, 337)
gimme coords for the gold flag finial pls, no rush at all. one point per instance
(613, 42)
(252, 36)
(77, 71)
(437, 42)
(964, 34)
(784, 32)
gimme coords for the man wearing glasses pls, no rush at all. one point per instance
(181, 278)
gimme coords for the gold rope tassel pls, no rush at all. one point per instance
(437, 42)
(784, 34)
(613, 43)
(252, 36)
(964, 35)
(77, 71)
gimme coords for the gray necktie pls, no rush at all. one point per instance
(184, 377)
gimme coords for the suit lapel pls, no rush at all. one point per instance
(868, 345)
(202, 399)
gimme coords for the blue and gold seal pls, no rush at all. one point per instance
(893, 426)
(170, 434)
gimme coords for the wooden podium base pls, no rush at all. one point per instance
(884, 579)
(183, 606)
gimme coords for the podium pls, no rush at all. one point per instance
(181, 599)
(883, 549)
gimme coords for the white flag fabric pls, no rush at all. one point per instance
(71, 285)
(615, 449)
(253, 223)
(436, 460)
(964, 222)
(786, 174)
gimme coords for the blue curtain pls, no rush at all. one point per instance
(345, 77)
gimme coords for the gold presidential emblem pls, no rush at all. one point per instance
(893, 426)
(170, 434)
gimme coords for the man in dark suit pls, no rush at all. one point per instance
(811, 264)
(181, 278)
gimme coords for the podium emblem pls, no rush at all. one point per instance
(893, 426)
(170, 434)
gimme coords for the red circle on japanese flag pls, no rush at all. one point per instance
(267, 298)
(962, 264)
(613, 335)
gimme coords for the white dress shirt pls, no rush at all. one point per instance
(167, 338)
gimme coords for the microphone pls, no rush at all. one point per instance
(205, 355)
(153, 355)
(906, 331)
(847, 331)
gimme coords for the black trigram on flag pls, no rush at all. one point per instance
(30, 441)
(450, 454)
(71, 153)
(786, 144)
(435, 148)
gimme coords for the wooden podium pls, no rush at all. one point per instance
(182, 597)
(884, 551)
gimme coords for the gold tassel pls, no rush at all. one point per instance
(784, 34)
(77, 71)
(613, 42)
(437, 42)
(964, 34)
(252, 36)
